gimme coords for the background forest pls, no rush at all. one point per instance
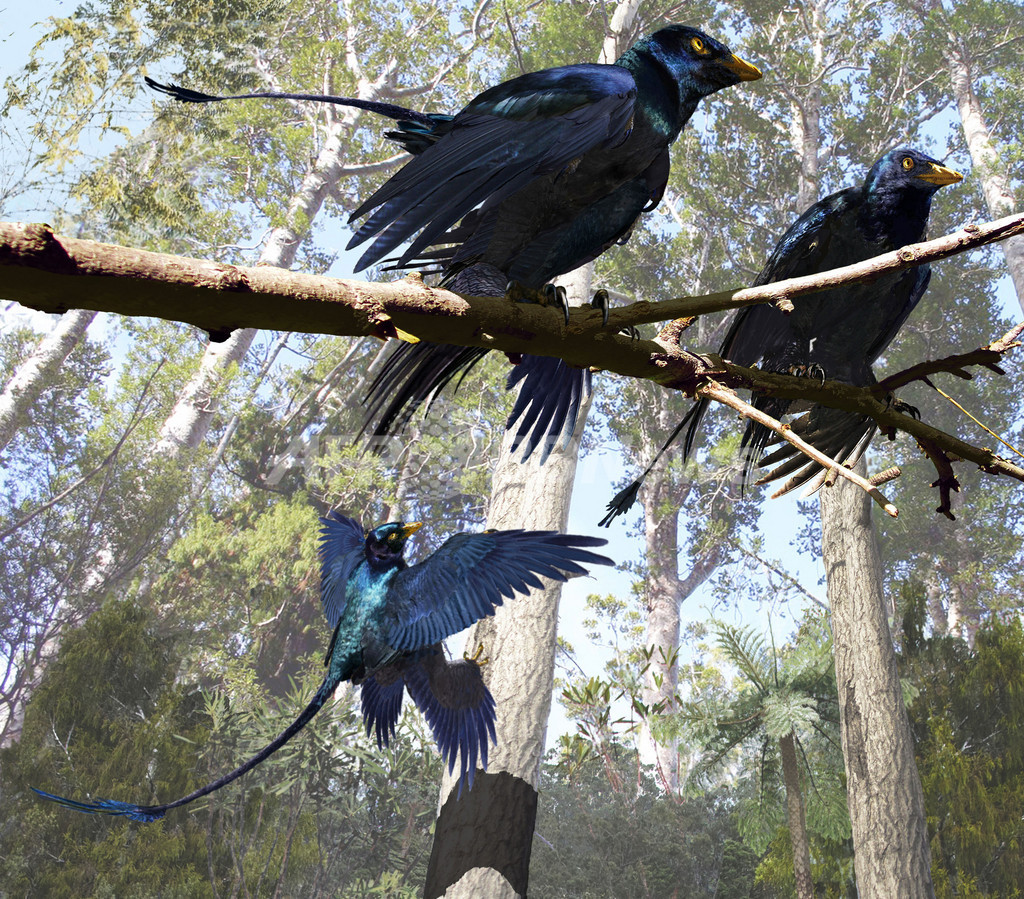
(160, 617)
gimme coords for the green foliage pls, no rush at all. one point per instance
(968, 723)
(601, 836)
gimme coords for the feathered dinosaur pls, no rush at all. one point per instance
(533, 178)
(389, 619)
(836, 333)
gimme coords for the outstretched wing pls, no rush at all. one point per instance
(534, 125)
(341, 548)
(472, 573)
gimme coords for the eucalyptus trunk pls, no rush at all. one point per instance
(483, 839)
(985, 158)
(661, 680)
(189, 420)
(886, 804)
(26, 384)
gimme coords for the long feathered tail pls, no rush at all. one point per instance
(148, 813)
(624, 499)
(398, 113)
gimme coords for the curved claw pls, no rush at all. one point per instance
(810, 370)
(899, 406)
(476, 656)
(556, 296)
(600, 301)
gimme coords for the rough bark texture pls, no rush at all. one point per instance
(661, 541)
(482, 841)
(796, 819)
(994, 182)
(41, 269)
(25, 385)
(890, 837)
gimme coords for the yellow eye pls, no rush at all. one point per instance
(698, 45)
(908, 162)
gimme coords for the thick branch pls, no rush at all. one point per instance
(51, 273)
(43, 271)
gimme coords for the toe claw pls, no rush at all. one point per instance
(600, 301)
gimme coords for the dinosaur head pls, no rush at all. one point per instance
(386, 542)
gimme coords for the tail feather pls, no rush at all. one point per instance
(413, 376)
(624, 499)
(548, 405)
(390, 110)
(149, 813)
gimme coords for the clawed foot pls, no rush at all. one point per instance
(899, 406)
(548, 295)
(475, 658)
(808, 370)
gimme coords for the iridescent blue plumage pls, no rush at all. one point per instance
(839, 332)
(533, 178)
(543, 174)
(389, 620)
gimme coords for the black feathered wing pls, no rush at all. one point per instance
(471, 574)
(523, 129)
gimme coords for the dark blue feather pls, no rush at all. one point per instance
(471, 574)
(841, 331)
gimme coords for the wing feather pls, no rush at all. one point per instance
(471, 574)
(342, 544)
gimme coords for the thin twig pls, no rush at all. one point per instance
(727, 397)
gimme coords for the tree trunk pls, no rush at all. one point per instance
(661, 538)
(890, 837)
(796, 819)
(189, 420)
(482, 841)
(25, 385)
(985, 158)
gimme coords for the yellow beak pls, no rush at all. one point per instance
(741, 68)
(940, 175)
(411, 528)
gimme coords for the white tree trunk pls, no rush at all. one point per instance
(886, 803)
(661, 540)
(482, 841)
(26, 384)
(189, 420)
(986, 164)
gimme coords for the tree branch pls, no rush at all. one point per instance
(51, 273)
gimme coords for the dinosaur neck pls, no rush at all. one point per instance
(662, 102)
(896, 217)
